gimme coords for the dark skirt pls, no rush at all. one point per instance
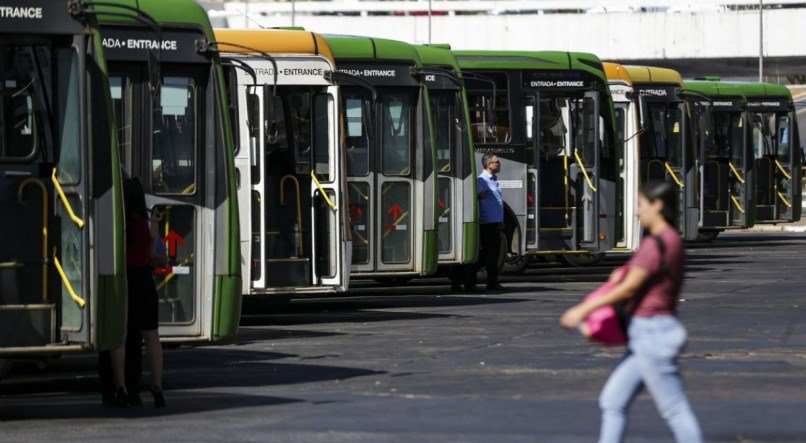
(143, 299)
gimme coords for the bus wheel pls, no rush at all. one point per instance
(581, 260)
(706, 236)
(516, 264)
(5, 366)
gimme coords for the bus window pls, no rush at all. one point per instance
(782, 138)
(553, 126)
(275, 138)
(396, 115)
(70, 124)
(173, 163)
(322, 110)
(621, 142)
(17, 116)
(299, 110)
(736, 140)
(357, 142)
(584, 131)
(480, 101)
(443, 115)
(121, 103)
(674, 136)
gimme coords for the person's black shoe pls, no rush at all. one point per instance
(121, 398)
(495, 288)
(159, 397)
(135, 399)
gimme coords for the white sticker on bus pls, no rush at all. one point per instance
(360, 227)
(443, 219)
(401, 227)
(181, 270)
(510, 184)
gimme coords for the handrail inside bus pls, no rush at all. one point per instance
(79, 301)
(783, 198)
(736, 203)
(672, 173)
(565, 185)
(396, 222)
(583, 168)
(736, 172)
(299, 208)
(783, 171)
(39, 184)
(79, 222)
(322, 191)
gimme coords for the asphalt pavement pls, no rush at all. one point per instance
(419, 363)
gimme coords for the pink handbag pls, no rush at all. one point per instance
(604, 324)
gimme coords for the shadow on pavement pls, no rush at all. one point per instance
(364, 309)
(73, 384)
(72, 406)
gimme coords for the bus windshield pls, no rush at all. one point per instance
(566, 127)
(29, 76)
(729, 137)
(664, 133)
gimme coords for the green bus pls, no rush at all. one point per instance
(62, 262)
(173, 125)
(388, 141)
(776, 152)
(549, 117)
(722, 131)
(458, 228)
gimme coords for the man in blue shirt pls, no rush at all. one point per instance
(491, 218)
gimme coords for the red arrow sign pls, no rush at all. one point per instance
(529, 198)
(172, 239)
(355, 209)
(395, 211)
(441, 204)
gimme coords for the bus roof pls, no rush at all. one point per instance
(714, 89)
(434, 55)
(531, 60)
(178, 12)
(617, 73)
(761, 90)
(357, 48)
(274, 41)
(653, 74)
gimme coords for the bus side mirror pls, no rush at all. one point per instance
(154, 77)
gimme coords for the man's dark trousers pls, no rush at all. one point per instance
(490, 236)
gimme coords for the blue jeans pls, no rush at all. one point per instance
(655, 344)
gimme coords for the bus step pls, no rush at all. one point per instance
(288, 272)
(28, 325)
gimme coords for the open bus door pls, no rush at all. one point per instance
(725, 160)
(777, 191)
(564, 195)
(290, 177)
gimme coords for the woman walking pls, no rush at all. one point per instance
(650, 285)
(141, 256)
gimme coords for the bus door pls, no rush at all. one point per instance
(563, 174)
(725, 165)
(165, 153)
(787, 183)
(394, 180)
(448, 117)
(773, 160)
(296, 237)
(45, 269)
(667, 155)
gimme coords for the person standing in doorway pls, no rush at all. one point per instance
(491, 218)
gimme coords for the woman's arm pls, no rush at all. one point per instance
(636, 277)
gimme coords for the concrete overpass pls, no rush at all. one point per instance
(704, 37)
